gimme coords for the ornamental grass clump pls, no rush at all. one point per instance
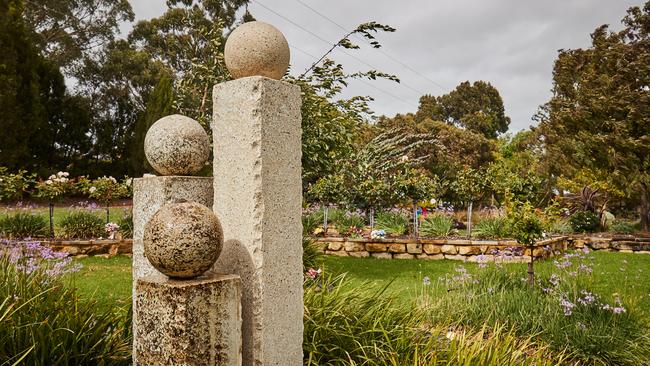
(348, 326)
(23, 224)
(82, 224)
(492, 228)
(437, 225)
(561, 310)
(44, 322)
(394, 223)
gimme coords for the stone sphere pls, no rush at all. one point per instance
(257, 49)
(183, 240)
(177, 145)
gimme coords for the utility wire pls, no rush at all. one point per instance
(378, 49)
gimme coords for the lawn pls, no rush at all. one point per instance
(109, 280)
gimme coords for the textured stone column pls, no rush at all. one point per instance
(257, 197)
(149, 195)
(189, 322)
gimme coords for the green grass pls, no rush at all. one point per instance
(109, 280)
(406, 276)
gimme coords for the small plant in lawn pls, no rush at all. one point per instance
(44, 322)
(55, 187)
(526, 228)
(82, 224)
(437, 225)
(393, 223)
(23, 224)
(584, 222)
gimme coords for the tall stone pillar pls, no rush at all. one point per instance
(258, 193)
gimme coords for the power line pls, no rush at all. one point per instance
(330, 43)
(378, 49)
(364, 81)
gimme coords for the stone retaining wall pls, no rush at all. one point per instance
(84, 248)
(469, 250)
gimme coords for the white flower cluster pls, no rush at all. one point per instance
(92, 189)
(60, 177)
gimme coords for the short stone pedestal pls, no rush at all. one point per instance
(189, 322)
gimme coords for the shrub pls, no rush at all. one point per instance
(437, 225)
(126, 224)
(561, 311)
(492, 228)
(23, 224)
(82, 225)
(584, 222)
(346, 325)
(393, 223)
(347, 222)
(43, 322)
(560, 227)
(622, 227)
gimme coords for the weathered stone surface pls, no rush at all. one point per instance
(381, 255)
(189, 322)
(149, 195)
(351, 246)
(338, 253)
(397, 248)
(337, 245)
(414, 248)
(403, 256)
(376, 247)
(359, 254)
(258, 198)
(183, 240)
(449, 249)
(456, 257)
(459, 242)
(257, 49)
(431, 256)
(469, 249)
(432, 249)
(177, 145)
(599, 244)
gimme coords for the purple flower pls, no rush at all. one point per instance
(618, 310)
(426, 281)
(567, 306)
(554, 280)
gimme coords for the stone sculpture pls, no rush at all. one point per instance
(177, 145)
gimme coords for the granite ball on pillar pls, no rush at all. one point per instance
(177, 145)
(183, 240)
(257, 49)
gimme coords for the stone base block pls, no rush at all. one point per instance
(189, 322)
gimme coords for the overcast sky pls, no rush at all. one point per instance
(440, 43)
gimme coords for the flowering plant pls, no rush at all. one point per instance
(378, 234)
(111, 228)
(55, 186)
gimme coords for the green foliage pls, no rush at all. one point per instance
(47, 323)
(416, 185)
(348, 221)
(584, 222)
(567, 317)
(560, 226)
(437, 225)
(492, 228)
(15, 185)
(350, 326)
(622, 227)
(392, 222)
(54, 187)
(126, 224)
(469, 184)
(311, 221)
(311, 256)
(82, 224)
(107, 189)
(23, 224)
(593, 121)
(525, 225)
(328, 190)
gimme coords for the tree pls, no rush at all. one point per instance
(328, 190)
(598, 118)
(526, 228)
(477, 107)
(416, 185)
(69, 32)
(469, 187)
